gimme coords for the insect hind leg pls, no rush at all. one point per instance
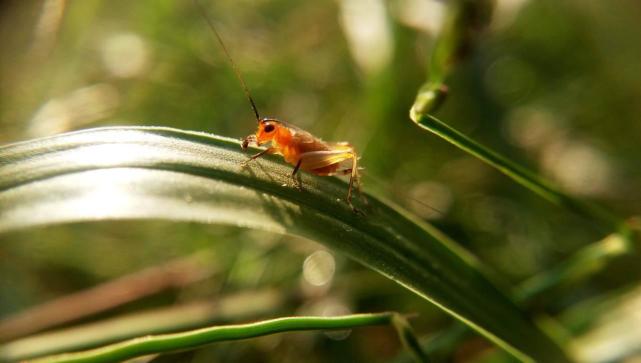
(326, 162)
(355, 182)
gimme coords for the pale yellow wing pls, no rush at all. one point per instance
(318, 159)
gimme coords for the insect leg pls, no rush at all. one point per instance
(256, 156)
(300, 161)
(355, 180)
(360, 190)
(297, 182)
(319, 159)
(352, 176)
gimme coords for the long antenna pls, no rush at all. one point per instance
(203, 11)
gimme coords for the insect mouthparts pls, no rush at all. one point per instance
(247, 140)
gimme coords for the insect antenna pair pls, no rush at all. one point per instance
(298, 147)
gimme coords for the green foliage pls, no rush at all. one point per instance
(543, 92)
(185, 176)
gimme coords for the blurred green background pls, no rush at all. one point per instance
(554, 85)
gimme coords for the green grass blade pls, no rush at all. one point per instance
(408, 338)
(192, 339)
(581, 266)
(520, 174)
(463, 20)
(585, 263)
(159, 173)
(141, 322)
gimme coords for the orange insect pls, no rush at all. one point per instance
(298, 147)
(305, 151)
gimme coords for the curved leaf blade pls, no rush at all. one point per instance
(520, 174)
(160, 173)
(168, 343)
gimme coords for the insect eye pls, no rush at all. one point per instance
(269, 128)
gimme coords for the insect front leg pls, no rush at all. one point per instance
(270, 150)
